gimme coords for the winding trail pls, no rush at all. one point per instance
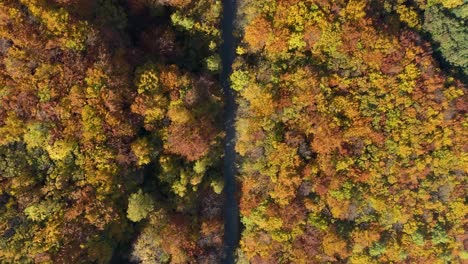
(231, 213)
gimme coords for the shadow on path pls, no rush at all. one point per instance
(231, 214)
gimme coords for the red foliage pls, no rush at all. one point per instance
(191, 140)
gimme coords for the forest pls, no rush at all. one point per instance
(110, 135)
(350, 131)
(352, 136)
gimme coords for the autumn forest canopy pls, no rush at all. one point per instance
(351, 131)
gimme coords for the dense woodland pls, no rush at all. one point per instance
(352, 138)
(351, 131)
(109, 131)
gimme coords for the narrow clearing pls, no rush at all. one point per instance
(231, 224)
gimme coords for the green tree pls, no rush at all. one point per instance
(448, 28)
(142, 150)
(139, 206)
(213, 63)
(42, 210)
(239, 80)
